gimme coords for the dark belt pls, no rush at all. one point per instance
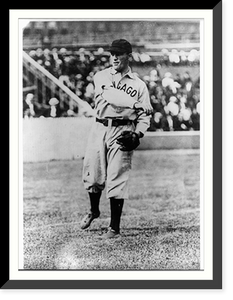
(115, 122)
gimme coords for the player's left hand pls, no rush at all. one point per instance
(128, 140)
(146, 107)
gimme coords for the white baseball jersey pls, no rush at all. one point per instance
(113, 92)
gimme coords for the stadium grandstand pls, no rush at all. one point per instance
(60, 59)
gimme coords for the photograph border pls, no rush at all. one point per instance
(216, 282)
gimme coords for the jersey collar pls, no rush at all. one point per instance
(129, 73)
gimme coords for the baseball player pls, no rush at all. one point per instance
(122, 108)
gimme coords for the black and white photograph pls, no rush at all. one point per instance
(111, 144)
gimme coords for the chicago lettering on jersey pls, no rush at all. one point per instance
(129, 90)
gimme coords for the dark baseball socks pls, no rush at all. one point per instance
(95, 201)
(116, 206)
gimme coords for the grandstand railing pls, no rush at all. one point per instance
(44, 85)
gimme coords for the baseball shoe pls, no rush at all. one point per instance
(111, 234)
(86, 221)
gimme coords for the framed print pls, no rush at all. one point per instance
(115, 149)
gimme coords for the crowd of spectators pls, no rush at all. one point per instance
(175, 98)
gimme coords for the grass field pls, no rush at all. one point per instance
(160, 221)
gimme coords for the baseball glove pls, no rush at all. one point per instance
(128, 140)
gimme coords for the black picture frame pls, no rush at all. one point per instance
(216, 282)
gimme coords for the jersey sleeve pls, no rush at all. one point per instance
(105, 92)
(100, 80)
(117, 97)
(143, 121)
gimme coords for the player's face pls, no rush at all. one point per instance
(120, 62)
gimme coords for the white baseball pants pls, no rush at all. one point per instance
(105, 165)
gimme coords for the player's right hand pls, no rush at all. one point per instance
(146, 107)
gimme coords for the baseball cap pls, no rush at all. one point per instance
(120, 46)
